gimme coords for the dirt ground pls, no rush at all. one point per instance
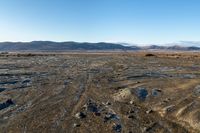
(127, 92)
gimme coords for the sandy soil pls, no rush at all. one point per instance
(125, 92)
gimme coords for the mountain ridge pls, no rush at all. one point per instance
(71, 45)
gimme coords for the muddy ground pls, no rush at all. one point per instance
(100, 92)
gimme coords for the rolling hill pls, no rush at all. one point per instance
(61, 46)
(86, 46)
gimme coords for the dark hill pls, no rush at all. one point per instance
(61, 46)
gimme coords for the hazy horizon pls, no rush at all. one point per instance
(141, 22)
(180, 43)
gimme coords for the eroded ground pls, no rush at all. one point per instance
(104, 92)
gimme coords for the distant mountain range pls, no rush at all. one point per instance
(61, 46)
(85, 46)
(172, 48)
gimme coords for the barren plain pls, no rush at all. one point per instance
(125, 92)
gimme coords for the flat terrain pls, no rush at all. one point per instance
(104, 92)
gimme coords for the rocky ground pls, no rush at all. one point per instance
(100, 93)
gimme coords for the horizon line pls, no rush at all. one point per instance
(178, 43)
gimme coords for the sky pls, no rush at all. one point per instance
(131, 21)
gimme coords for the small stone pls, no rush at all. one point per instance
(110, 116)
(166, 100)
(80, 115)
(9, 101)
(156, 92)
(117, 128)
(76, 125)
(108, 103)
(197, 90)
(97, 113)
(144, 129)
(92, 108)
(149, 111)
(169, 108)
(6, 104)
(131, 111)
(131, 116)
(6, 117)
(142, 93)
(85, 106)
(131, 102)
(66, 82)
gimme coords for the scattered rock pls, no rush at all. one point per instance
(169, 108)
(6, 117)
(156, 92)
(76, 125)
(144, 129)
(66, 82)
(92, 107)
(131, 111)
(117, 128)
(131, 102)
(9, 101)
(122, 95)
(6, 104)
(151, 127)
(166, 100)
(142, 93)
(26, 81)
(108, 103)
(166, 110)
(149, 111)
(197, 90)
(150, 55)
(110, 116)
(97, 113)
(4, 53)
(131, 117)
(80, 115)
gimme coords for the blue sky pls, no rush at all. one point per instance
(133, 21)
